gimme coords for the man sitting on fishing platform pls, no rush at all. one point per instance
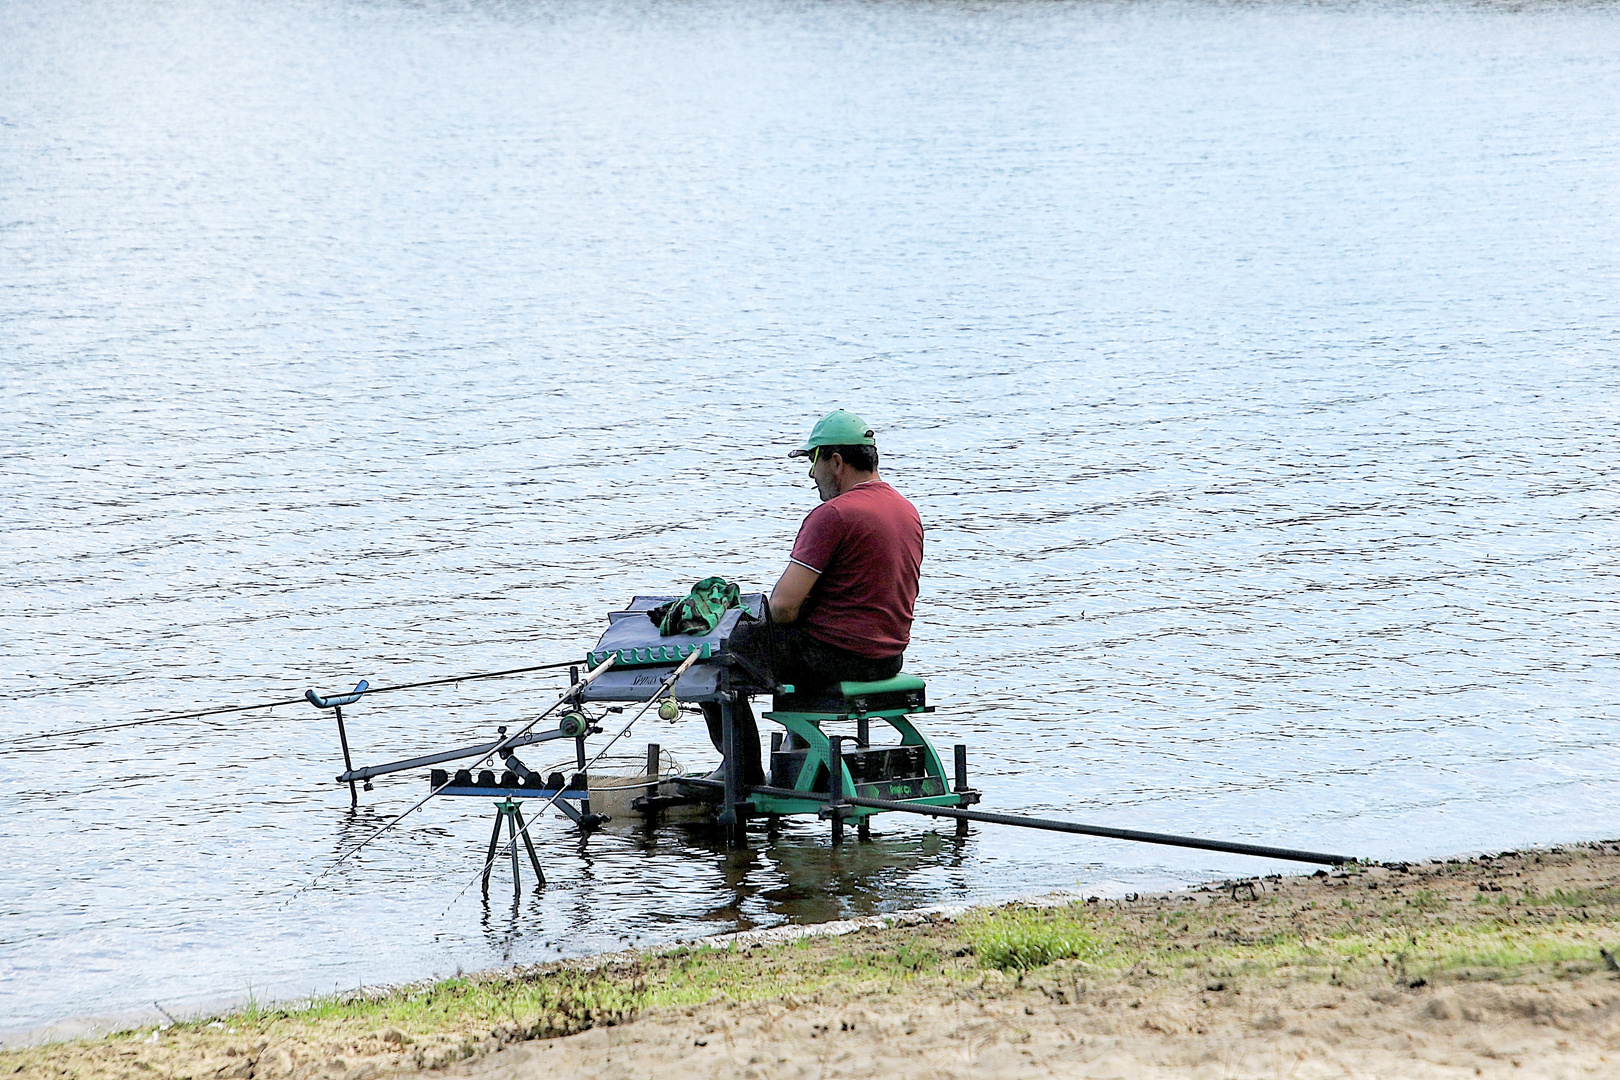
(842, 610)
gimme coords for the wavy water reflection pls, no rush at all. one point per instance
(1253, 368)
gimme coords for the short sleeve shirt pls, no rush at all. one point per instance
(867, 546)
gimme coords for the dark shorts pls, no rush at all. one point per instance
(809, 663)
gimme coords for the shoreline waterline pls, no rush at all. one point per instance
(1419, 928)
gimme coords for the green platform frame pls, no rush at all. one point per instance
(891, 701)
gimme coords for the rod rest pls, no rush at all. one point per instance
(337, 699)
(486, 778)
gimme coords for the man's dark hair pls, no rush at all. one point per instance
(859, 458)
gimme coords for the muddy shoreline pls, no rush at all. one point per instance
(1503, 964)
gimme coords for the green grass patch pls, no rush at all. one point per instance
(1021, 938)
(559, 1002)
(554, 1001)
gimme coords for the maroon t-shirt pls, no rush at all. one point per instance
(867, 546)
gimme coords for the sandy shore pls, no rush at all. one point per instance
(1495, 966)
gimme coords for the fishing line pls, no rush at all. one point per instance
(276, 704)
(573, 692)
(511, 844)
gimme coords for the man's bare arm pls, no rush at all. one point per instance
(791, 591)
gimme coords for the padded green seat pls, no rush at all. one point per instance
(902, 694)
(900, 682)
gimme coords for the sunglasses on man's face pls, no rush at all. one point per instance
(813, 455)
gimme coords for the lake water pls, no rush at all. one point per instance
(1255, 368)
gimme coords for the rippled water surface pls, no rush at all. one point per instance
(1253, 367)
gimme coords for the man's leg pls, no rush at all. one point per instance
(742, 715)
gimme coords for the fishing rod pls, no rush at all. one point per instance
(571, 695)
(511, 844)
(277, 704)
(1047, 824)
(837, 801)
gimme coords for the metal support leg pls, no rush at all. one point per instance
(863, 739)
(961, 782)
(732, 817)
(835, 786)
(489, 856)
(579, 756)
(348, 766)
(528, 842)
(655, 757)
(511, 812)
(511, 829)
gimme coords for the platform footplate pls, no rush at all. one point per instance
(899, 789)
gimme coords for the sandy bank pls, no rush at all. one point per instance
(1489, 966)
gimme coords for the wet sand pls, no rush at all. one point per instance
(1493, 966)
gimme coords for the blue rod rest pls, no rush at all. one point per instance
(333, 702)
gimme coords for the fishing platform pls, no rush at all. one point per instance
(825, 751)
(844, 752)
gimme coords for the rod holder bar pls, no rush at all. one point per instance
(480, 750)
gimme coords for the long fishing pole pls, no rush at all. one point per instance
(511, 844)
(572, 694)
(1024, 821)
(276, 704)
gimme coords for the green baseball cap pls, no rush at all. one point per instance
(837, 428)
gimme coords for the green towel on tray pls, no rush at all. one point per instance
(700, 610)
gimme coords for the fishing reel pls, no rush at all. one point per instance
(574, 724)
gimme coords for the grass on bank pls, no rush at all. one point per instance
(1395, 940)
